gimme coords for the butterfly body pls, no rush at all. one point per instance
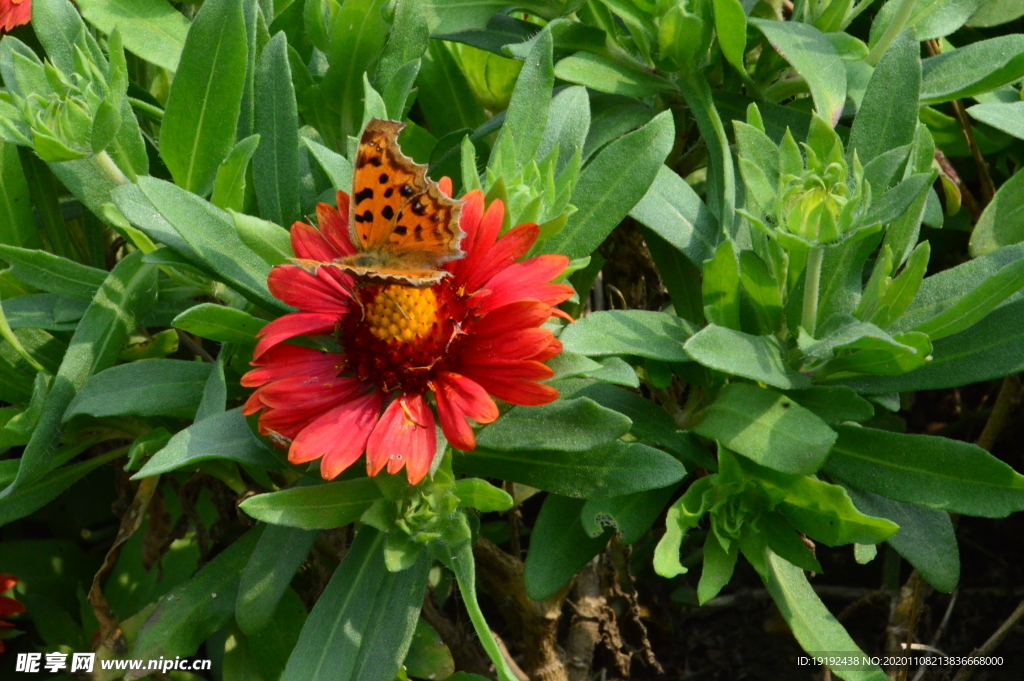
(401, 224)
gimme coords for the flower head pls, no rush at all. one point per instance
(8, 606)
(379, 361)
(14, 13)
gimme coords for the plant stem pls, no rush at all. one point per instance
(722, 192)
(897, 24)
(106, 165)
(992, 643)
(809, 319)
(8, 335)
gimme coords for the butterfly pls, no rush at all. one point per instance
(401, 224)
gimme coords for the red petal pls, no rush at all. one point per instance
(253, 404)
(339, 436)
(479, 367)
(9, 606)
(509, 248)
(310, 293)
(519, 344)
(404, 436)
(291, 325)
(518, 391)
(288, 361)
(444, 185)
(469, 221)
(522, 314)
(484, 236)
(547, 353)
(459, 399)
(313, 395)
(334, 224)
(7, 580)
(310, 244)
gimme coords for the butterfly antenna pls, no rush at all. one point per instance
(397, 304)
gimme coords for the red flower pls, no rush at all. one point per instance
(8, 606)
(14, 13)
(410, 352)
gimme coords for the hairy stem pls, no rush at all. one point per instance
(809, 318)
(898, 22)
(106, 165)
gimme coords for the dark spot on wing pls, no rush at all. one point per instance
(383, 178)
(418, 233)
(388, 212)
(363, 195)
(417, 207)
(400, 230)
(406, 191)
(388, 192)
(435, 217)
(367, 216)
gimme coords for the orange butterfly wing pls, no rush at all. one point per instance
(398, 216)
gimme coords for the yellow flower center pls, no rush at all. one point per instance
(401, 313)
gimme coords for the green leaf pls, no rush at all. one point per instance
(267, 574)
(337, 167)
(972, 69)
(973, 306)
(942, 290)
(731, 27)
(815, 58)
(198, 129)
(656, 335)
(717, 568)
(1002, 223)
(219, 323)
(567, 126)
(605, 75)
(428, 656)
(926, 537)
(575, 424)
(317, 507)
(558, 547)
(211, 234)
(833, 404)
(358, 32)
(760, 358)
(761, 293)
(929, 471)
(995, 12)
(650, 422)
(721, 176)
(674, 211)
(229, 186)
(611, 470)
(992, 348)
(929, 18)
(444, 94)
(53, 273)
(482, 495)
(270, 241)
(814, 627)
(276, 161)
(611, 184)
(631, 515)
(150, 387)
(527, 113)
(768, 428)
(721, 289)
(151, 29)
(224, 436)
(1005, 116)
(17, 225)
(194, 610)
(126, 295)
(887, 117)
(362, 625)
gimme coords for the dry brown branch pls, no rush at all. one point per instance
(992, 643)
